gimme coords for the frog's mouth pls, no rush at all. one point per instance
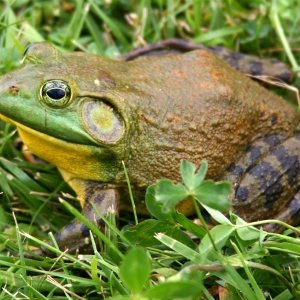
(80, 161)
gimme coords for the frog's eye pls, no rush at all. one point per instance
(56, 93)
(102, 121)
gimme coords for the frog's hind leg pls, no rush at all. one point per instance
(266, 178)
(290, 215)
(75, 235)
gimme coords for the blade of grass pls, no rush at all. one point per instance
(258, 292)
(240, 282)
(110, 23)
(216, 34)
(91, 226)
(280, 32)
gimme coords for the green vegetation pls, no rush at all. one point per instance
(168, 263)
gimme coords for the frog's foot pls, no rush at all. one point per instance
(75, 235)
(266, 177)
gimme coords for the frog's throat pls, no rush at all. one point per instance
(74, 160)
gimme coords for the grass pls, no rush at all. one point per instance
(233, 260)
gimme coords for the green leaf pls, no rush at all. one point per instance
(180, 248)
(183, 238)
(188, 273)
(155, 207)
(285, 295)
(174, 290)
(217, 215)
(220, 234)
(169, 193)
(189, 177)
(247, 233)
(190, 226)
(166, 272)
(214, 195)
(135, 269)
(143, 233)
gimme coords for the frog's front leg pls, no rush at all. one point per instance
(74, 236)
(266, 181)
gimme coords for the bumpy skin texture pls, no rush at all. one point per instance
(151, 114)
(247, 64)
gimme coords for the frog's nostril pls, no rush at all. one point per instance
(14, 89)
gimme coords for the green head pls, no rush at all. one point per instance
(67, 111)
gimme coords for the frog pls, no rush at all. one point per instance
(88, 115)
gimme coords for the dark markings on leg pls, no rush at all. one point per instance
(85, 231)
(272, 227)
(100, 223)
(293, 173)
(99, 198)
(272, 194)
(233, 62)
(255, 153)
(58, 237)
(294, 208)
(274, 61)
(285, 76)
(272, 140)
(65, 231)
(237, 55)
(241, 194)
(289, 164)
(256, 68)
(235, 170)
(289, 214)
(70, 226)
(269, 180)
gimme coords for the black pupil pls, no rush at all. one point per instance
(56, 94)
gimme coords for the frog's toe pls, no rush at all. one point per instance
(72, 238)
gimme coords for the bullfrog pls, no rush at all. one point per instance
(87, 114)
